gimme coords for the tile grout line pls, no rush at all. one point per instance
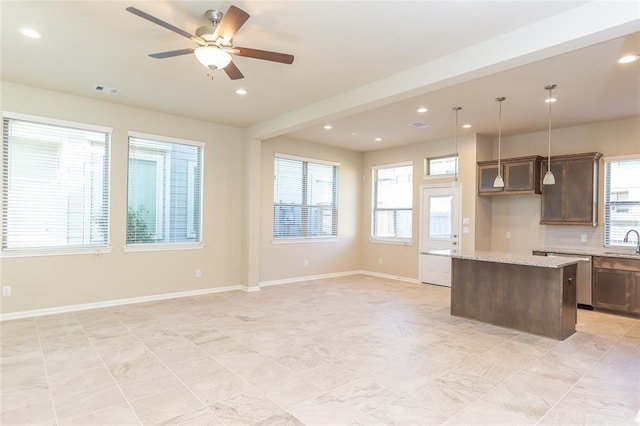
(46, 372)
(104, 364)
(581, 377)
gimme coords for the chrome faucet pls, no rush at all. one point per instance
(626, 239)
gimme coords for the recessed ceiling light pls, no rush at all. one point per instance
(378, 139)
(466, 126)
(328, 127)
(241, 92)
(628, 59)
(354, 133)
(551, 100)
(28, 32)
(422, 110)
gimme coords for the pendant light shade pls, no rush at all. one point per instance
(549, 179)
(499, 182)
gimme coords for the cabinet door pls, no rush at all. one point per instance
(612, 289)
(635, 292)
(552, 195)
(486, 175)
(579, 197)
(519, 176)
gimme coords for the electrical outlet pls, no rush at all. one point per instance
(583, 238)
(508, 235)
(306, 263)
(198, 273)
(380, 261)
(6, 290)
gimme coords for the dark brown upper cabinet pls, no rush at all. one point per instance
(521, 176)
(573, 199)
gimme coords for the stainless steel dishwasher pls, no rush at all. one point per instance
(583, 278)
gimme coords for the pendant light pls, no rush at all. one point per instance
(456, 109)
(499, 182)
(549, 179)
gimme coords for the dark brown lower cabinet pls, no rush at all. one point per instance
(616, 284)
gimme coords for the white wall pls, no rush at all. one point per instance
(520, 215)
(281, 261)
(53, 281)
(401, 260)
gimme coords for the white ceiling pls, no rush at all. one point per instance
(351, 60)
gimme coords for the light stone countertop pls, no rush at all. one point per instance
(515, 259)
(605, 252)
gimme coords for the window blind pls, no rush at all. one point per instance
(392, 202)
(164, 195)
(305, 199)
(621, 200)
(55, 191)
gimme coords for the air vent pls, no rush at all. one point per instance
(419, 124)
(107, 90)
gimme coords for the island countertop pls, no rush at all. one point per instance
(511, 258)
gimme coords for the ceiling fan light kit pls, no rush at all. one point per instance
(211, 56)
(214, 42)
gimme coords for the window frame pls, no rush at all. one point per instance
(165, 175)
(608, 202)
(427, 167)
(334, 207)
(374, 196)
(71, 249)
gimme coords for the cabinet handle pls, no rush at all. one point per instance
(570, 280)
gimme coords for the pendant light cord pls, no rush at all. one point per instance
(499, 100)
(549, 148)
(456, 109)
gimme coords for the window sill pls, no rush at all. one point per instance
(392, 241)
(162, 247)
(304, 240)
(54, 252)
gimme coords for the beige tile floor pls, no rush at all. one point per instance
(355, 350)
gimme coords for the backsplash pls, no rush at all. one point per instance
(585, 237)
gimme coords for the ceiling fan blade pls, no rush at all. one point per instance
(233, 72)
(231, 23)
(263, 54)
(171, 53)
(160, 22)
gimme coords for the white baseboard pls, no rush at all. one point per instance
(308, 278)
(116, 302)
(391, 277)
(165, 296)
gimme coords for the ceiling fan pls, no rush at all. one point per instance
(215, 41)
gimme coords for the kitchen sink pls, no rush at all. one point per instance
(623, 254)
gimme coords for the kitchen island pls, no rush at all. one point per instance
(534, 294)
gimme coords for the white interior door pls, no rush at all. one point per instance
(439, 225)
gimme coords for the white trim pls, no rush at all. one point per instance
(161, 247)
(35, 252)
(303, 240)
(391, 277)
(620, 157)
(392, 165)
(175, 295)
(56, 122)
(306, 159)
(116, 302)
(158, 138)
(306, 278)
(396, 241)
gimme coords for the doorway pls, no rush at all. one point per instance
(440, 215)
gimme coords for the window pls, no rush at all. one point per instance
(304, 198)
(392, 202)
(164, 191)
(55, 194)
(621, 199)
(441, 166)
